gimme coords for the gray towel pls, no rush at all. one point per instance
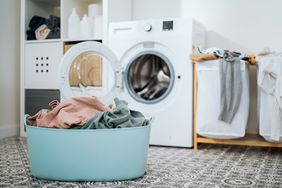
(230, 86)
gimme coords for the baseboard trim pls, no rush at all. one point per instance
(9, 130)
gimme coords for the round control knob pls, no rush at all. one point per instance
(148, 27)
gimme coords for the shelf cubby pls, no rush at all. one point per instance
(42, 8)
(81, 7)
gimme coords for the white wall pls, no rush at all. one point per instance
(240, 25)
(251, 24)
(9, 67)
(154, 9)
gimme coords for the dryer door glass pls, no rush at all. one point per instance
(91, 74)
(90, 69)
(150, 78)
(86, 70)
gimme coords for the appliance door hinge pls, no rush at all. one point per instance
(119, 78)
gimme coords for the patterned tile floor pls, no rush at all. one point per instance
(212, 166)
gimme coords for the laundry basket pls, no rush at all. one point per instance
(208, 103)
(88, 155)
(265, 115)
(266, 104)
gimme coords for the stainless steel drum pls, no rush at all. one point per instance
(150, 78)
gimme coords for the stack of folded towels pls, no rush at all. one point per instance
(41, 28)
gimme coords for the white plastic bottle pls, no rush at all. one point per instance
(98, 27)
(85, 30)
(94, 10)
(95, 15)
(73, 25)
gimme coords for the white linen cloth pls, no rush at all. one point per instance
(270, 81)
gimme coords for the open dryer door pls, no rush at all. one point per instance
(90, 69)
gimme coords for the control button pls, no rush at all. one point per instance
(148, 27)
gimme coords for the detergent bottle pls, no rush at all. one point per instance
(73, 25)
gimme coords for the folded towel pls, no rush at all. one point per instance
(55, 33)
(42, 32)
(34, 23)
(44, 25)
(53, 22)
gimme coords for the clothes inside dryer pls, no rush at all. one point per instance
(149, 78)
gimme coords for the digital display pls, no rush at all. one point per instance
(167, 25)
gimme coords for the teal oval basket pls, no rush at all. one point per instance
(88, 155)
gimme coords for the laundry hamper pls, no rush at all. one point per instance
(88, 155)
(208, 103)
(265, 115)
(265, 111)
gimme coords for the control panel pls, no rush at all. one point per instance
(167, 25)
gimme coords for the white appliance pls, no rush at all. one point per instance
(148, 65)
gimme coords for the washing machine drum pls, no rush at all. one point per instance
(90, 69)
(149, 78)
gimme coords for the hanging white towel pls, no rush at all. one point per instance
(270, 80)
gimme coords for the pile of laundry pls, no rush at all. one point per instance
(87, 113)
(41, 28)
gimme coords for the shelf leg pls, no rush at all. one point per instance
(195, 136)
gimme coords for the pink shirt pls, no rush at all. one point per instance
(72, 111)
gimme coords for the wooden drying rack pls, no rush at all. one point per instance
(248, 140)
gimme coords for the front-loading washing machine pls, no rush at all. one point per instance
(145, 63)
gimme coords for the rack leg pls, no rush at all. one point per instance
(195, 136)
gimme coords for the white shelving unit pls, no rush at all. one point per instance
(40, 58)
